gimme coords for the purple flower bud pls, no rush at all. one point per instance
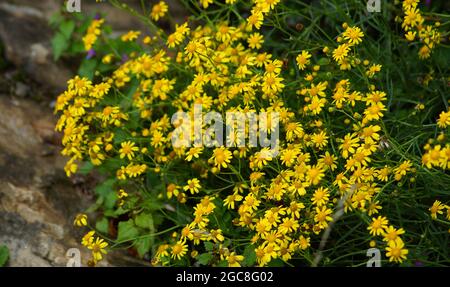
(124, 58)
(418, 263)
(97, 16)
(428, 2)
(90, 54)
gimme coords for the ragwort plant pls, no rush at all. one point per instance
(347, 177)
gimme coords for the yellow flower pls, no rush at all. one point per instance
(320, 140)
(130, 36)
(221, 157)
(193, 185)
(179, 249)
(127, 149)
(80, 220)
(193, 152)
(303, 59)
(378, 225)
(323, 216)
(320, 196)
(341, 52)
(444, 120)
(234, 260)
(255, 41)
(436, 209)
(410, 36)
(395, 251)
(231, 199)
(159, 10)
(88, 238)
(255, 19)
(98, 248)
(392, 234)
(353, 35)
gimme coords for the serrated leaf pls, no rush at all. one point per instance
(209, 246)
(323, 61)
(222, 263)
(102, 225)
(66, 28)
(143, 245)
(249, 256)
(107, 193)
(55, 19)
(203, 259)
(144, 220)
(87, 68)
(86, 168)
(276, 263)
(4, 255)
(59, 45)
(127, 231)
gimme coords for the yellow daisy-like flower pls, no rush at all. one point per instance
(234, 260)
(303, 59)
(193, 185)
(255, 41)
(395, 251)
(98, 249)
(130, 36)
(341, 52)
(80, 220)
(378, 225)
(179, 249)
(159, 10)
(353, 35)
(221, 157)
(127, 149)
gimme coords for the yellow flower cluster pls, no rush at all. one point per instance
(415, 28)
(92, 33)
(259, 10)
(438, 155)
(159, 10)
(280, 202)
(351, 37)
(96, 244)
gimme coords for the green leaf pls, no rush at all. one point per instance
(249, 256)
(4, 255)
(203, 259)
(222, 263)
(209, 246)
(67, 28)
(143, 245)
(55, 19)
(87, 68)
(127, 231)
(107, 193)
(86, 168)
(276, 263)
(323, 61)
(59, 45)
(102, 225)
(144, 220)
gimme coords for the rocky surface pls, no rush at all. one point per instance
(37, 201)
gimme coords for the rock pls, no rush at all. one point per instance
(21, 89)
(26, 40)
(37, 202)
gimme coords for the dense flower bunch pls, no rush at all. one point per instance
(439, 155)
(232, 205)
(92, 34)
(415, 28)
